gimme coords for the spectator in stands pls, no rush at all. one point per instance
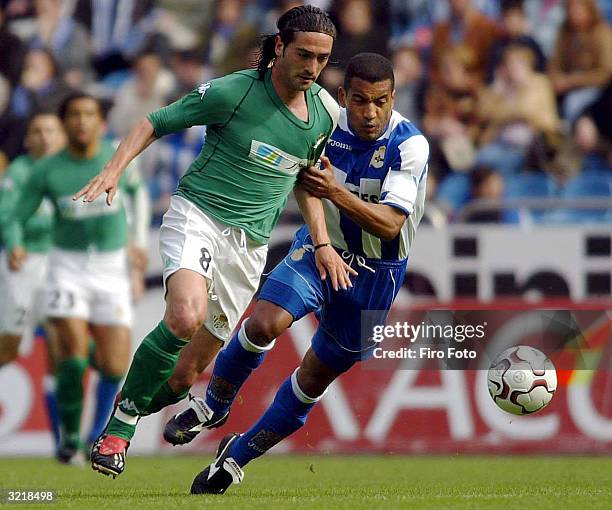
(232, 38)
(516, 111)
(545, 18)
(487, 185)
(515, 30)
(468, 27)
(40, 89)
(409, 83)
(593, 135)
(359, 31)
(189, 71)
(582, 61)
(119, 30)
(412, 22)
(67, 39)
(450, 111)
(12, 51)
(270, 11)
(145, 92)
(186, 23)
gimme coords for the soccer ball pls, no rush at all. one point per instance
(522, 380)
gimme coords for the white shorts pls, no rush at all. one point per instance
(92, 285)
(230, 261)
(22, 294)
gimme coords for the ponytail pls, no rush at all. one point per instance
(266, 54)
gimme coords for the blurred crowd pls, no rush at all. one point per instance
(507, 91)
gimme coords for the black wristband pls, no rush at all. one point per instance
(322, 245)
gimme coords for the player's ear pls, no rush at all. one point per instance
(342, 97)
(278, 46)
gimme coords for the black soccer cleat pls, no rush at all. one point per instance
(108, 455)
(70, 454)
(222, 473)
(186, 425)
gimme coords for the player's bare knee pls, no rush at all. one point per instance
(262, 329)
(184, 319)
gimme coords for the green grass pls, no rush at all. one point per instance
(317, 482)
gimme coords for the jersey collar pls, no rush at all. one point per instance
(283, 107)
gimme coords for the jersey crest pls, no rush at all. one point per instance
(378, 158)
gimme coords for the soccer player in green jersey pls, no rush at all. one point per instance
(88, 287)
(23, 269)
(263, 126)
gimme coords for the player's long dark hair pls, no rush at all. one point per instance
(305, 18)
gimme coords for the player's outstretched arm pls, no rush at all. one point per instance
(382, 221)
(108, 179)
(326, 258)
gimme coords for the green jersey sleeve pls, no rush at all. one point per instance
(211, 103)
(32, 194)
(15, 177)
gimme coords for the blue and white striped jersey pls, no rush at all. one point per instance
(391, 170)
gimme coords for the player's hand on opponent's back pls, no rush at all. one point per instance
(106, 181)
(320, 182)
(330, 263)
(17, 257)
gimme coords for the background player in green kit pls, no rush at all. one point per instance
(23, 269)
(88, 288)
(263, 126)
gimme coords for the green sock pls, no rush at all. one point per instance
(165, 397)
(70, 398)
(153, 364)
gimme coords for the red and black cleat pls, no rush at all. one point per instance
(108, 455)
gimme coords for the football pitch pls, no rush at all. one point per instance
(329, 482)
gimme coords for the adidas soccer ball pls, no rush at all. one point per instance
(522, 380)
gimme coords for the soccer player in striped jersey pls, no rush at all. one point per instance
(373, 191)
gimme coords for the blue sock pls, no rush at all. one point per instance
(49, 388)
(108, 387)
(233, 366)
(287, 414)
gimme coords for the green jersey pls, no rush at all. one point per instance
(37, 230)
(255, 147)
(79, 226)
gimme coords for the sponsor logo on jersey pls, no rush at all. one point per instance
(368, 189)
(340, 145)
(378, 158)
(203, 88)
(276, 159)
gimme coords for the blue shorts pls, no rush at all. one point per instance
(346, 316)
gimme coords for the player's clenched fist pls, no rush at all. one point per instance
(319, 182)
